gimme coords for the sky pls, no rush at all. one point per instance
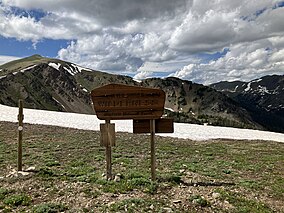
(204, 41)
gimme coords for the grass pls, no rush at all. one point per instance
(244, 205)
(199, 200)
(19, 64)
(248, 175)
(134, 205)
(49, 207)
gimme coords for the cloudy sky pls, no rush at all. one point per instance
(204, 41)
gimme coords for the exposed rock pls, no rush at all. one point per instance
(167, 210)
(216, 195)
(176, 201)
(117, 178)
(15, 173)
(31, 169)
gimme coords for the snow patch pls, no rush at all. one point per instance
(58, 102)
(170, 109)
(28, 68)
(79, 68)
(83, 68)
(262, 90)
(4, 76)
(137, 80)
(248, 87)
(54, 65)
(91, 122)
(84, 89)
(236, 88)
(73, 69)
(70, 70)
(257, 80)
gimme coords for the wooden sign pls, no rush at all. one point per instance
(162, 125)
(116, 101)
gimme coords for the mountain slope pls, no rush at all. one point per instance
(43, 87)
(50, 84)
(62, 86)
(263, 98)
(196, 103)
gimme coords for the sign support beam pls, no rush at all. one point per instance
(108, 155)
(153, 155)
(20, 135)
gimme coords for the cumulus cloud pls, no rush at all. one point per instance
(208, 32)
(4, 59)
(242, 62)
(135, 35)
(108, 12)
(143, 75)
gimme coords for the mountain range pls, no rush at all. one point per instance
(53, 84)
(263, 98)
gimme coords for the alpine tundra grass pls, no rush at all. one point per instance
(67, 173)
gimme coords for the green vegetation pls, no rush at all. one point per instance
(92, 80)
(203, 176)
(199, 200)
(15, 200)
(243, 204)
(134, 205)
(49, 208)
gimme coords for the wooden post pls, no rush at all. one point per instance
(108, 156)
(20, 138)
(153, 157)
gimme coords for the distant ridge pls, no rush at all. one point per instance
(53, 84)
(263, 98)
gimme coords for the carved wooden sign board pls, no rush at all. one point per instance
(116, 101)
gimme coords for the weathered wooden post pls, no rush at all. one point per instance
(108, 151)
(20, 135)
(153, 126)
(153, 154)
(108, 140)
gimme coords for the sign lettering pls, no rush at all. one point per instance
(116, 101)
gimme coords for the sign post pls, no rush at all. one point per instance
(116, 101)
(153, 155)
(20, 135)
(108, 152)
(108, 140)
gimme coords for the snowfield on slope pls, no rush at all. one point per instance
(91, 122)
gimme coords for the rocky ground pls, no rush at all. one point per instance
(64, 171)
